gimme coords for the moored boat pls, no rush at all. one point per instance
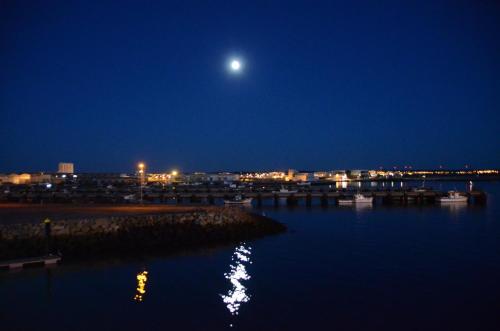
(453, 196)
(357, 198)
(238, 200)
(421, 189)
(130, 197)
(283, 190)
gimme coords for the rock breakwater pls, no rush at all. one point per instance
(135, 235)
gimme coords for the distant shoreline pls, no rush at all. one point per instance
(437, 179)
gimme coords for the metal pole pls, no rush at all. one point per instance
(141, 182)
(46, 222)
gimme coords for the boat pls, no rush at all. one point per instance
(283, 190)
(421, 189)
(357, 198)
(238, 200)
(453, 196)
(129, 197)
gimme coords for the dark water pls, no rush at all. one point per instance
(381, 268)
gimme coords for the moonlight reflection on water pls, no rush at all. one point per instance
(238, 273)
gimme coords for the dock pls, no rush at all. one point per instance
(208, 194)
(325, 197)
(30, 261)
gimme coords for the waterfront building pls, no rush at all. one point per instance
(65, 168)
(196, 177)
(156, 178)
(338, 176)
(254, 176)
(318, 175)
(358, 174)
(223, 177)
(15, 179)
(107, 178)
(25, 178)
(41, 178)
(303, 177)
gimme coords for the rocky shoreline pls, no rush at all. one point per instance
(135, 235)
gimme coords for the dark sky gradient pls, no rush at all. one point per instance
(105, 84)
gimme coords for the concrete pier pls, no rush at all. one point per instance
(39, 260)
(191, 194)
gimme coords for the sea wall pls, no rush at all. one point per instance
(135, 234)
(107, 225)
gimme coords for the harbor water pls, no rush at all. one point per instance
(381, 267)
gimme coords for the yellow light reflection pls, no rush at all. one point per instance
(142, 279)
(341, 185)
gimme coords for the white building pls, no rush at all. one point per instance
(223, 177)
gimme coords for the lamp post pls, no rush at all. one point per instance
(171, 176)
(48, 229)
(141, 168)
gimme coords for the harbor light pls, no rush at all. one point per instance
(141, 166)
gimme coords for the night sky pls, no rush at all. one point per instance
(105, 84)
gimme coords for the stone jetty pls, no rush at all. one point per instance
(134, 235)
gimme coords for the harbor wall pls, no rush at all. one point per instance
(135, 234)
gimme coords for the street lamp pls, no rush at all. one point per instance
(141, 169)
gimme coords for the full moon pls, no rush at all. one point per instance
(235, 65)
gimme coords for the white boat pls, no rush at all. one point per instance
(129, 197)
(421, 189)
(453, 196)
(357, 198)
(285, 191)
(238, 200)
